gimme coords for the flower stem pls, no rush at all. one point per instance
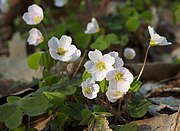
(119, 108)
(44, 30)
(144, 63)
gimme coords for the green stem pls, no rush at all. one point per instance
(44, 30)
(144, 63)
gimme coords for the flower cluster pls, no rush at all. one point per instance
(109, 67)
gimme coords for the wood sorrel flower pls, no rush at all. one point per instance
(89, 88)
(120, 78)
(34, 15)
(61, 49)
(60, 3)
(75, 56)
(156, 39)
(99, 65)
(129, 53)
(118, 61)
(114, 94)
(35, 37)
(92, 27)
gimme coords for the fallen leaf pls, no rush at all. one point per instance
(162, 122)
(15, 66)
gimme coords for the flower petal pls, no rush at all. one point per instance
(65, 41)
(90, 67)
(95, 56)
(53, 43)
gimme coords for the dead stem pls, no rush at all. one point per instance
(119, 108)
(79, 65)
(144, 63)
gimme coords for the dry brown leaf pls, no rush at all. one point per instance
(162, 122)
(15, 66)
(40, 125)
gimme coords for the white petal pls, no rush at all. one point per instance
(76, 55)
(90, 81)
(110, 75)
(26, 17)
(151, 31)
(95, 22)
(118, 62)
(99, 76)
(64, 58)
(53, 43)
(109, 60)
(90, 67)
(114, 54)
(95, 56)
(96, 88)
(53, 53)
(65, 41)
(129, 53)
(108, 94)
(71, 50)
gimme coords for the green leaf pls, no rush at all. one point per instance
(49, 80)
(135, 86)
(138, 108)
(103, 85)
(6, 111)
(68, 90)
(86, 75)
(35, 106)
(15, 119)
(34, 59)
(133, 23)
(129, 127)
(99, 108)
(46, 60)
(86, 114)
(124, 39)
(12, 99)
(112, 38)
(146, 15)
(82, 40)
(62, 118)
(101, 43)
(56, 98)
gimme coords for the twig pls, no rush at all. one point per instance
(79, 65)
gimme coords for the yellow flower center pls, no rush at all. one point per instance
(119, 76)
(61, 51)
(117, 93)
(88, 90)
(97, 29)
(42, 38)
(37, 19)
(152, 43)
(101, 66)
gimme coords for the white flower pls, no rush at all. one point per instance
(114, 95)
(61, 49)
(4, 6)
(99, 65)
(89, 88)
(156, 39)
(129, 53)
(60, 3)
(35, 37)
(118, 61)
(92, 27)
(120, 78)
(75, 56)
(34, 15)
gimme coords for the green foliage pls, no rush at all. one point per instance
(86, 75)
(103, 85)
(34, 106)
(129, 127)
(135, 86)
(137, 108)
(40, 58)
(11, 115)
(133, 23)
